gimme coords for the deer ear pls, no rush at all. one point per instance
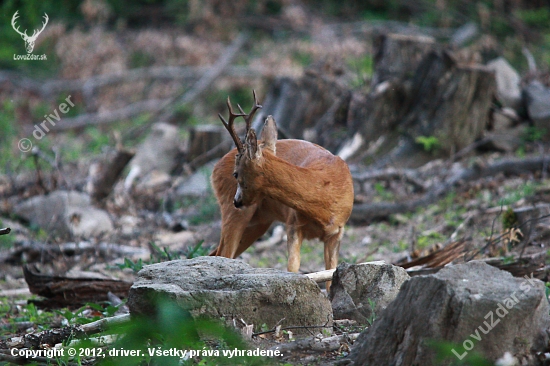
(254, 152)
(269, 134)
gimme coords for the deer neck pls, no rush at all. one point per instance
(299, 188)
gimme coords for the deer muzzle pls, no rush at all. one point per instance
(238, 200)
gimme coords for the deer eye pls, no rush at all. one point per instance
(236, 175)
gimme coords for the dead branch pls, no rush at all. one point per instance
(89, 86)
(317, 344)
(35, 249)
(188, 95)
(408, 175)
(52, 337)
(100, 118)
(15, 292)
(438, 258)
(102, 184)
(208, 77)
(369, 211)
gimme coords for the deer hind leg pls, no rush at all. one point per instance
(331, 250)
(233, 226)
(294, 243)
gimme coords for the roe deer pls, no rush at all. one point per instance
(292, 181)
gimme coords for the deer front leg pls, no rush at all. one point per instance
(250, 235)
(294, 243)
(234, 224)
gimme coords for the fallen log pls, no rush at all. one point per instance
(62, 290)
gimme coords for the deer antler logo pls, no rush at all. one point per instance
(29, 41)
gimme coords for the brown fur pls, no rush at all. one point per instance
(300, 184)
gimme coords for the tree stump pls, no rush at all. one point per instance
(397, 55)
(313, 107)
(204, 138)
(449, 101)
(439, 98)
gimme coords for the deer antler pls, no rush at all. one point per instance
(248, 117)
(230, 126)
(13, 19)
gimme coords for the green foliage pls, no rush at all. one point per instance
(173, 328)
(363, 68)
(77, 317)
(141, 59)
(159, 255)
(533, 134)
(6, 241)
(429, 143)
(197, 251)
(208, 210)
(372, 316)
(303, 58)
(32, 314)
(444, 352)
(509, 219)
(96, 140)
(513, 195)
(536, 17)
(427, 241)
(383, 192)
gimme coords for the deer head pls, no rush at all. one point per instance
(248, 153)
(248, 166)
(29, 41)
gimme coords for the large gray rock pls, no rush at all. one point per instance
(537, 99)
(65, 213)
(198, 184)
(508, 83)
(155, 157)
(362, 291)
(218, 287)
(477, 307)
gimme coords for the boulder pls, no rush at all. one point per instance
(476, 307)
(508, 83)
(65, 213)
(198, 184)
(361, 291)
(158, 152)
(216, 287)
(537, 100)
